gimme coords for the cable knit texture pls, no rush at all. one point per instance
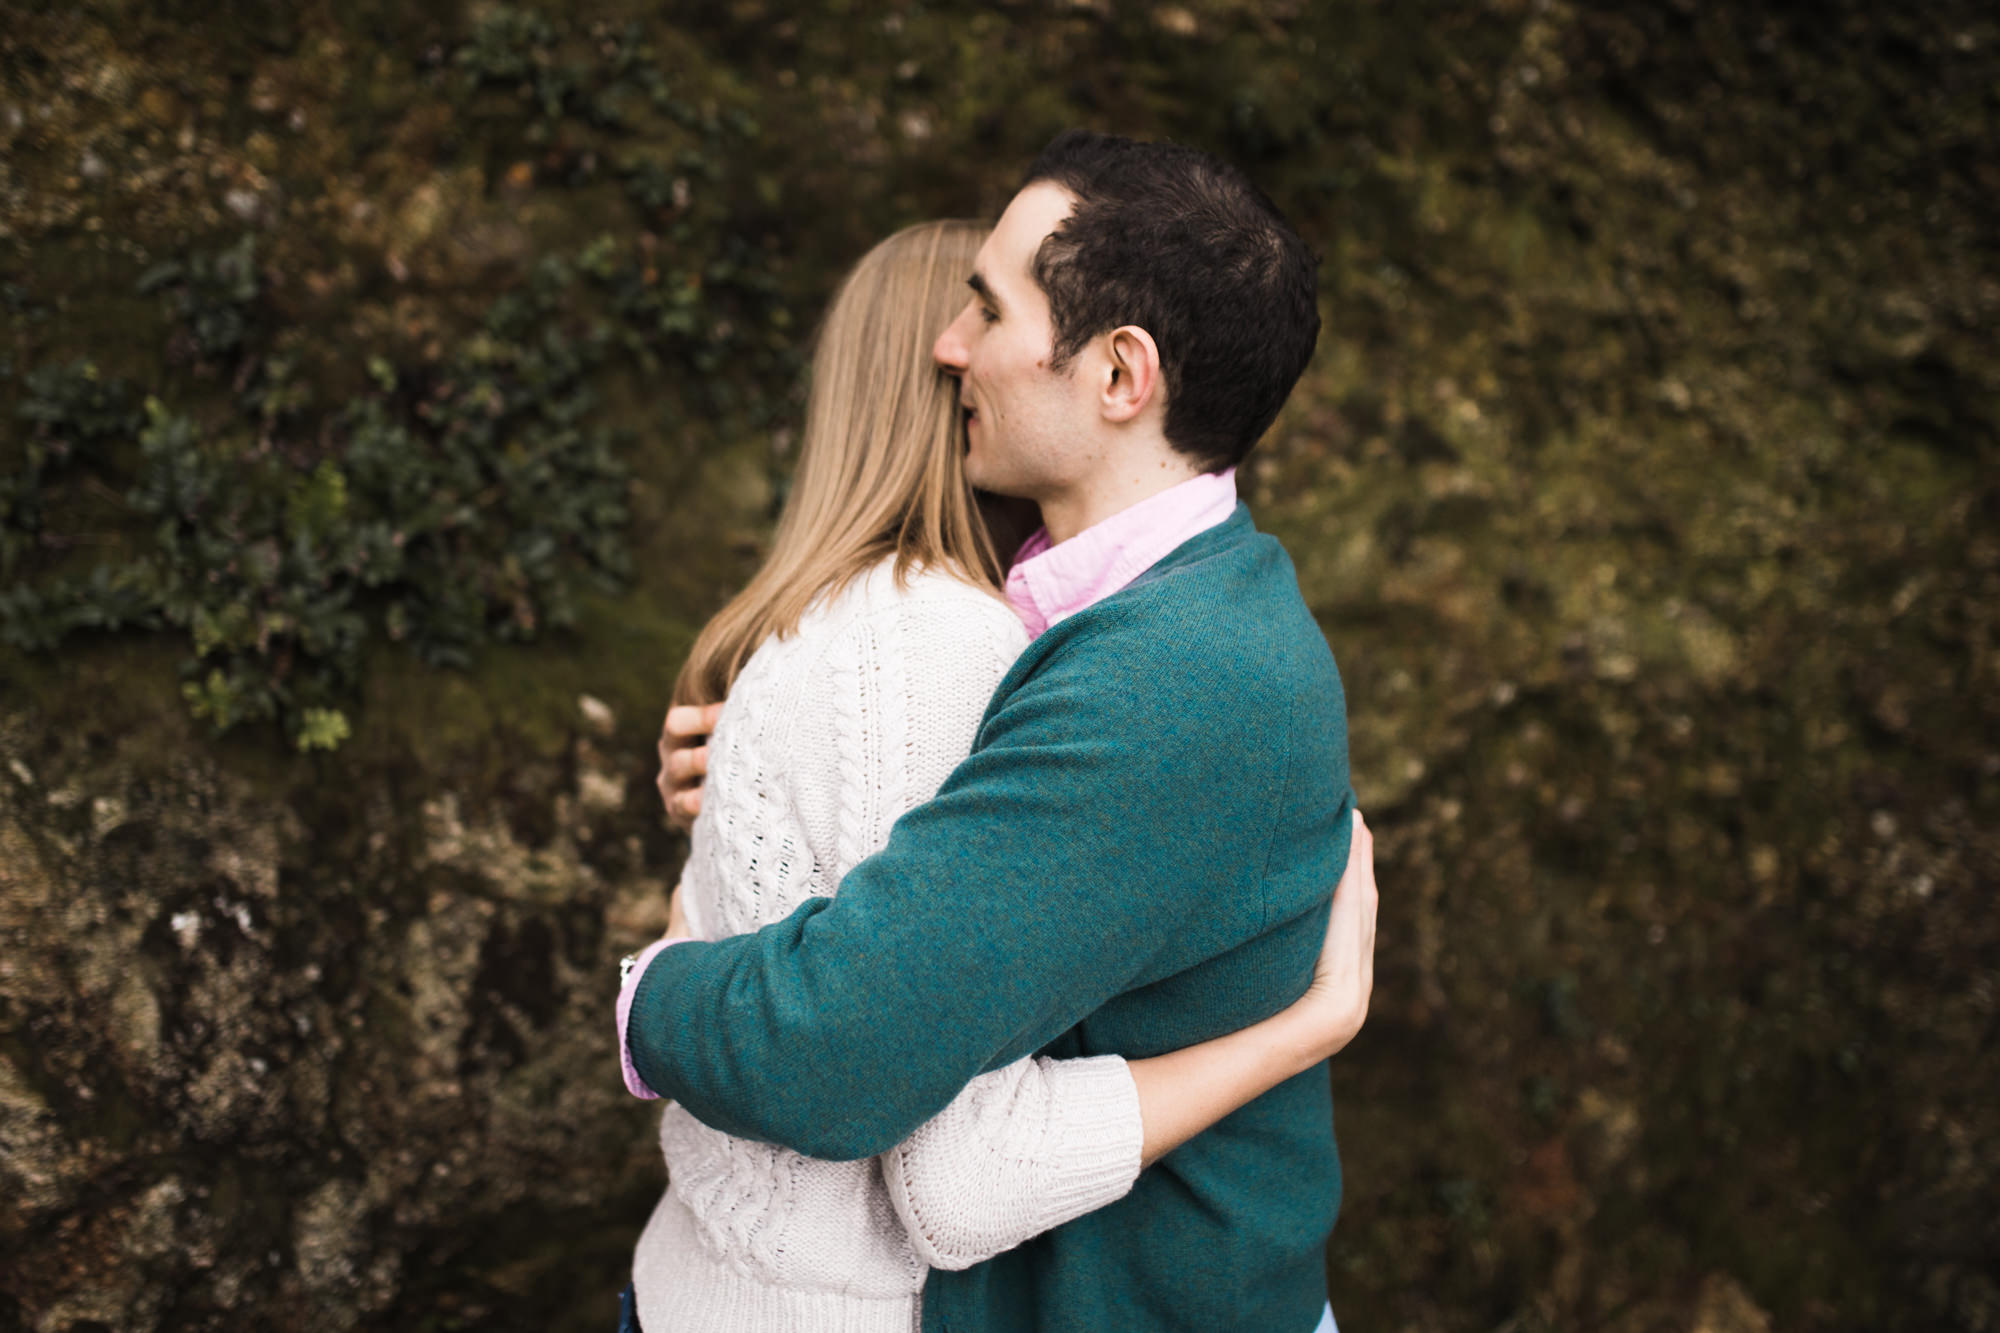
(1022, 1149)
(828, 736)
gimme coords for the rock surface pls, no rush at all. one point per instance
(256, 1064)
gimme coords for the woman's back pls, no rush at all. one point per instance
(831, 733)
(828, 736)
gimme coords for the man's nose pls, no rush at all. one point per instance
(949, 351)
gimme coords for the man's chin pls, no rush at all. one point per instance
(993, 485)
(976, 470)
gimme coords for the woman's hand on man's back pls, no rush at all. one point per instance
(1337, 1000)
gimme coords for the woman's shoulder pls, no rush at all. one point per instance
(920, 593)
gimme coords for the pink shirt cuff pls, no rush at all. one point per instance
(633, 1083)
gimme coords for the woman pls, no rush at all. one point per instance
(855, 667)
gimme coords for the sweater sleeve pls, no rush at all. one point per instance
(1070, 858)
(1020, 1151)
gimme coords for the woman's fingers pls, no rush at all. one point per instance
(1365, 901)
(1346, 973)
(1356, 889)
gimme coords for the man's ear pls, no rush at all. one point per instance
(1132, 380)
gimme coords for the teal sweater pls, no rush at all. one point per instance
(1138, 855)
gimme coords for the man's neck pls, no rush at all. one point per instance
(1087, 505)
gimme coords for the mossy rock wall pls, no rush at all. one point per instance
(1645, 485)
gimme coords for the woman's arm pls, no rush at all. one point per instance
(1031, 1146)
(1019, 1151)
(1185, 1091)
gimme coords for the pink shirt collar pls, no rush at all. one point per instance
(1049, 583)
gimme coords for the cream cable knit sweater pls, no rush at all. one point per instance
(827, 737)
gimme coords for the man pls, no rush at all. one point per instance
(1138, 853)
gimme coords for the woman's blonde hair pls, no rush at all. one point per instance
(882, 464)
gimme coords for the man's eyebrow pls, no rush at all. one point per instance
(985, 293)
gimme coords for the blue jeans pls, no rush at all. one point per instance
(628, 1314)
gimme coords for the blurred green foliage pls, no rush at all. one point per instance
(446, 508)
(448, 503)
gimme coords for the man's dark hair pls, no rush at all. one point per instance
(1185, 247)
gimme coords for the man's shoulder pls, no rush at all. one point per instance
(1234, 613)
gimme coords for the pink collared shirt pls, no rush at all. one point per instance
(1049, 583)
(1046, 585)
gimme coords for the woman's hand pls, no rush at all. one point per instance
(684, 760)
(1183, 1092)
(1336, 1004)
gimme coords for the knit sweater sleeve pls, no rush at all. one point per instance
(1025, 1148)
(1021, 1151)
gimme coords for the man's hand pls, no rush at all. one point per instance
(684, 759)
(1337, 1000)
